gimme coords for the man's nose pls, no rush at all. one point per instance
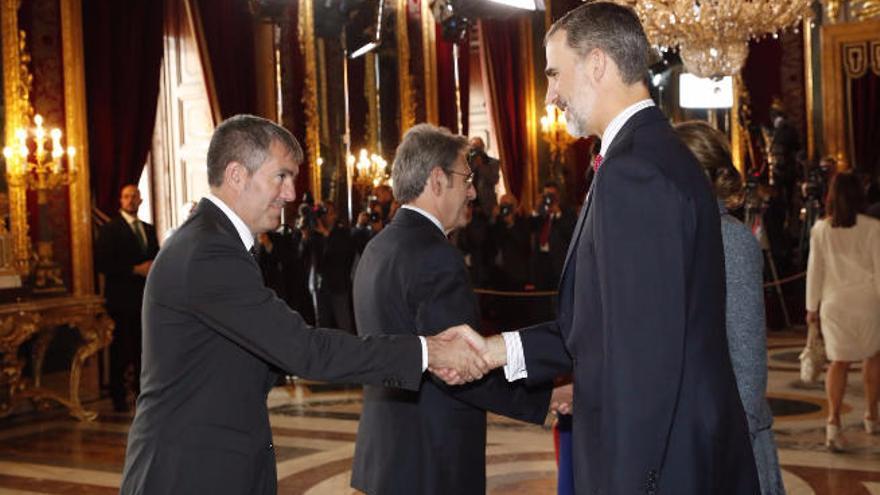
(288, 190)
(551, 96)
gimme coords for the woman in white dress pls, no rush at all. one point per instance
(843, 295)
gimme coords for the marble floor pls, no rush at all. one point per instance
(314, 429)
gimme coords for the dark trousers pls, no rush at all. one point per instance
(125, 357)
(335, 311)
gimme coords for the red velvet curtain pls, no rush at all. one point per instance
(502, 64)
(446, 82)
(227, 29)
(864, 108)
(123, 55)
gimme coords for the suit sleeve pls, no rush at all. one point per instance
(226, 293)
(444, 299)
(747, 337)
(545, 353)
(643, 229)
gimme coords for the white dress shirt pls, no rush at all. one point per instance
(515, 368)
(247, 237)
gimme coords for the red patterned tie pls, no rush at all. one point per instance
(597, 162)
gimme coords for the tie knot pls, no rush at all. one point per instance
(597, 162)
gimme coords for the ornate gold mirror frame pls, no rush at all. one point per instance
(16, 82)
(15, 97)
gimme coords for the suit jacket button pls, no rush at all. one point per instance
(271, 446)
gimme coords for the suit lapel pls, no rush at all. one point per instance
(637, 120)
(211, 210)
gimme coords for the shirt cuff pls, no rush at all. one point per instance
(515, 369)
(424, 353)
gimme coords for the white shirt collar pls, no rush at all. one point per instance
(618, 122)
(243, 231)
(129, 218)
(427, 215)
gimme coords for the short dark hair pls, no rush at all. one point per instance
(246, 139)
(424, 147)
(712, 151)
(845, 199)
(612, 28)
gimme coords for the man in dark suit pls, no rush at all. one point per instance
(213, 333)
(124, 252)
(430, 441)
(641, 300)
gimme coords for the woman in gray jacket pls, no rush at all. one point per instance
(743, 264)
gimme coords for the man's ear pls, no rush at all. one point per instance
(598, 64)
(437, 181)
(235, 175)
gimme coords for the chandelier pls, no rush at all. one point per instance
(555, 133)
(370, 170)
(713, 35)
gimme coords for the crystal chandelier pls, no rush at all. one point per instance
(713, 35)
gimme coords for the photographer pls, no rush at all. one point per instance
(552, 226)
(333, 252)
(369, 223)
(474, 243)
(486, 174)
(510, 236)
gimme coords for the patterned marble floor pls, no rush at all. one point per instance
(314, 432)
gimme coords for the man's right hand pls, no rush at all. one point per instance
(459, 352)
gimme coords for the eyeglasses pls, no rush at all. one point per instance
(468, 178)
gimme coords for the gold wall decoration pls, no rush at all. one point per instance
(429, 50)
(407, 106)
(16, 84)
(75, 116)
(306, 28)
(371, 93)
(808, 27)
(842, 55)
(863, 10)
(530, 177)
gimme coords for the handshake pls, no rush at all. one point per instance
(461, 355)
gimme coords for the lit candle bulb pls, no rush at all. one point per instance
(39, 134)
(57, 150)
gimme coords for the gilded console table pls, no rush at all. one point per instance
(39, 320)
